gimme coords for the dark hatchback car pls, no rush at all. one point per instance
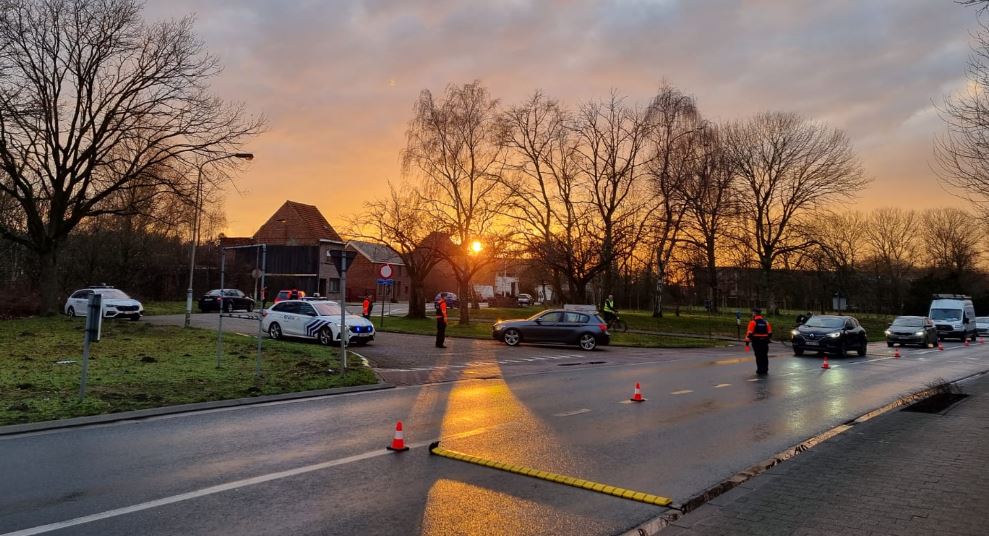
(233, 299)
(911, 330)
(834, 335)
(586, 330)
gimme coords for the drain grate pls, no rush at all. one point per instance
(936, 404)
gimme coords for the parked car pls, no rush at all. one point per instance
(233, 300)
(524, 300)
(911, 330)
(116, 303)
(982, 325)
(830, 334)
(954, 316)
(451, 299)
(293, 294)
(586, 330)
(318, 320)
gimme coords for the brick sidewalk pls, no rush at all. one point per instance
(903, 473)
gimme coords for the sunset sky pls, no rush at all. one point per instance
(337, 79)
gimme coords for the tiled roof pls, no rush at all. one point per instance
(296, 224)
(376, 253)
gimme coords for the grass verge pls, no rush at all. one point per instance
(482, 330)
(138, 366)
(166, 308)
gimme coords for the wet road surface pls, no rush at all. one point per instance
(318, 466)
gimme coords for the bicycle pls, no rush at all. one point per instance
(617, 324)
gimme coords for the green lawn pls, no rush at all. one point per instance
(482, 330)
(166, 308)
(137, 366)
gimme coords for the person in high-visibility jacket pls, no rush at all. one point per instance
(609, 309)
(366, 307)
(441, 320)
(758, 334)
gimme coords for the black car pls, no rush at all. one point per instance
(452, 302)
(829, 334)
(233, 300)
(584, 329)
(911, 330)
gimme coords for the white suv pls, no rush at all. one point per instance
(115, 302)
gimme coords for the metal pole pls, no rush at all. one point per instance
(264, 268)
(219, 326)
(383, 290)
(195, 244)
(343, 312)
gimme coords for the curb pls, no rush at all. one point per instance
(76, 422)
(657, 524)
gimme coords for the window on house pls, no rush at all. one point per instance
(334, 284)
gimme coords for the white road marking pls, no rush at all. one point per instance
(720, 385)
(117, 512)
(748, 380)
(683, 392)
(572, 413)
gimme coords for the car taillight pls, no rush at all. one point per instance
(604, 327)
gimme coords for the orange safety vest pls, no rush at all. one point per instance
(441, 312)
(751, 334)
(367, 306)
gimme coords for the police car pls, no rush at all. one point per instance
(318, 320)
(116, 303)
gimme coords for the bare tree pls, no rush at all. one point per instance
(611, 149)
(454, 145)
(787, 167)
(402, 220)
(674, 136)
(92, 101)
(892, 235)
(840, 245)
(949, 237)
(710, 205)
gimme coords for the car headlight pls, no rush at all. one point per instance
(794, 333)
(919, 333)
(888, 332)
(834, 334)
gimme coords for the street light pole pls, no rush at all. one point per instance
(195, 229)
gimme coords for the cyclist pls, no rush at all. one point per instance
(610, 313)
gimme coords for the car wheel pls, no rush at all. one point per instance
(325, 337)
(863, 349)
(587, 341)
(275, 331)
(250, 307)
(71, 311)
(135, 318)
(228, 307)
(889, 345)
(512, 337)
(798, 351)
(842, 351)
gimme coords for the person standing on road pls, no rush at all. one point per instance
(441, 320)
(758, 334)
(366, 307)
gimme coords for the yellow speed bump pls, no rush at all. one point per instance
(623, 493)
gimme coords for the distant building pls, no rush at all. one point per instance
(298, 240)
(363, 275)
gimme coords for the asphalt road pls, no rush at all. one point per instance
(318, 466)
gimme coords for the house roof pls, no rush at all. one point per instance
(296, 224)
(376, 253)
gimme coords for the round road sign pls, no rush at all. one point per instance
(385, 271)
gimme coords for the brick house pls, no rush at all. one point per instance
(363, 275)
(298, 240)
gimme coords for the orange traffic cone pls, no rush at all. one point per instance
(398, 443)
(825, 365)
(940, 346)
(897, 354)
(637, 395)
(747, 349)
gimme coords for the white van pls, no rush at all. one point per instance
(954, 316)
